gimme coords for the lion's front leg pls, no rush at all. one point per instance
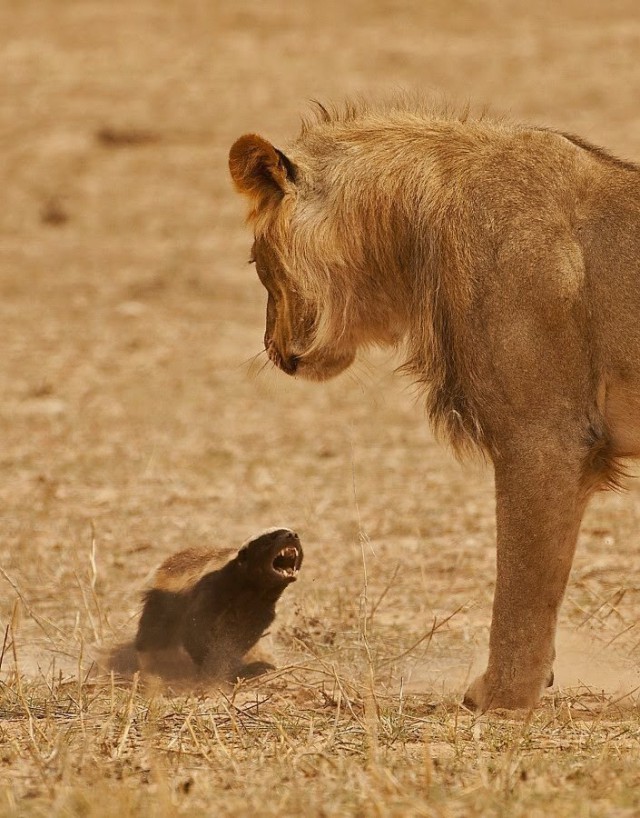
(540, 498)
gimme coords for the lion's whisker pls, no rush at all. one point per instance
(254, 365)
(265, 364)
(250, 360)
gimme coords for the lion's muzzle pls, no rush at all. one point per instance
(288, 364)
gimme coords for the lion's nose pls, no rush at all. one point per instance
(290, 364)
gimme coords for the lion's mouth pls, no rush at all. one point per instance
(287, 562)
(286, 364)
(322, 367)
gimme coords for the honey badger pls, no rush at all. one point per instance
(215, 604)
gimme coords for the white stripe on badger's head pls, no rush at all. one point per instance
(266, 533)
(182, 570)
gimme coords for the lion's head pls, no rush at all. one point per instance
(313, 267)
(292, 320)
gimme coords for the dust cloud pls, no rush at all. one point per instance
(582, 665)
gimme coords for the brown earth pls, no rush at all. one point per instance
(133, 423)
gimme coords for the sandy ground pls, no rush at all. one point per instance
(131, 421)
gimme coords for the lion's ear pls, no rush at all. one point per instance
(258, 169)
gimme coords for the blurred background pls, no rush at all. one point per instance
(131, 420)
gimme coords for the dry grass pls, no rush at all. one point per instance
(131, 426)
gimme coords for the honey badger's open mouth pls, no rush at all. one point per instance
(287, 562)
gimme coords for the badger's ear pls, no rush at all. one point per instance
(258, 169)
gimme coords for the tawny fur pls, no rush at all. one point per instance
(504, 259)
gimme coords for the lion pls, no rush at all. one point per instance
(504, 261)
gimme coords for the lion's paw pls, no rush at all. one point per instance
(486, 693)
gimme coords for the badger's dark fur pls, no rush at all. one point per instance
(214, 605)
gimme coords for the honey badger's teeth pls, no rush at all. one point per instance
(286, 560)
